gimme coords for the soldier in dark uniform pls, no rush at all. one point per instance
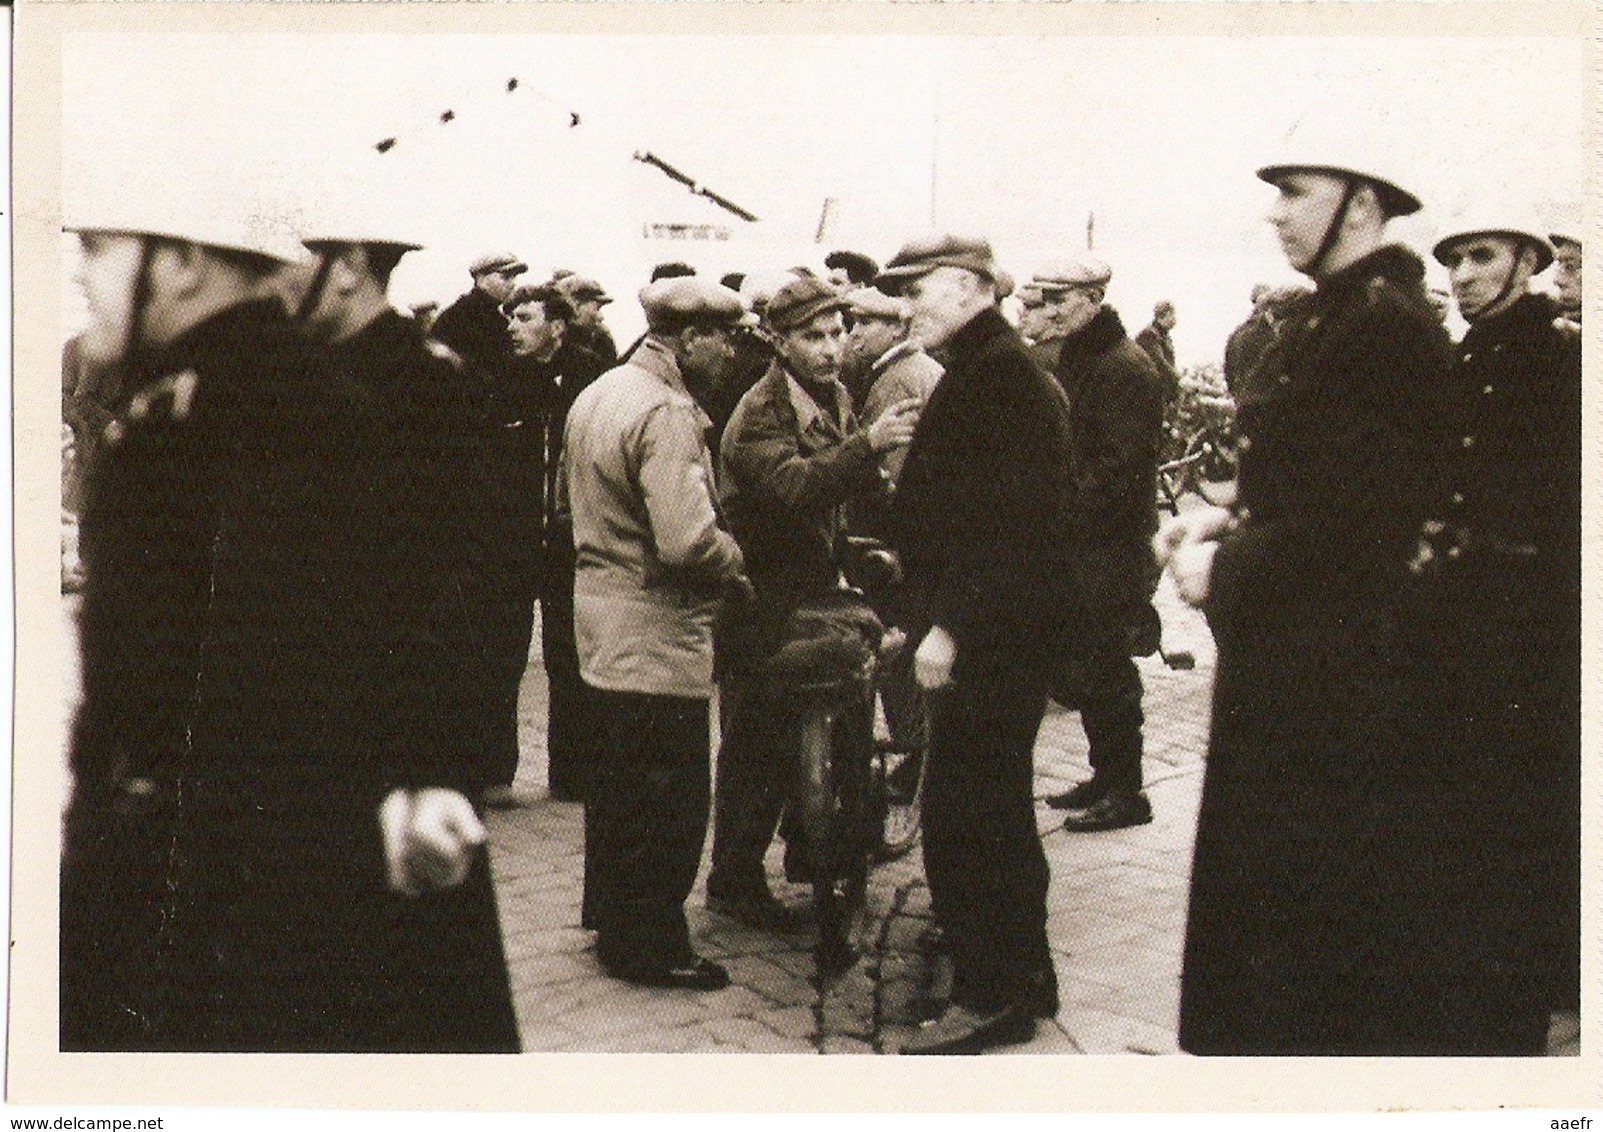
(1498, 630)
(447, 973)
(1316, 924)
(239, 816)
(981, 518)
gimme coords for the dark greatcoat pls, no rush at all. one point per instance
(1314, 922)
(448, 974)
(1495, 627)
(1116, 400)
(223, 881)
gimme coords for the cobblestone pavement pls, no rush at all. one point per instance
(1117, 906)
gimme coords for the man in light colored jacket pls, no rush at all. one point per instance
(653, 563)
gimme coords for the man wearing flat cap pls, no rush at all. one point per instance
(1116, 404)
(792, 456)
(584, 354)
(589, 329)
(849, 269)
(653, 563)
(981, 518)
(473, 326)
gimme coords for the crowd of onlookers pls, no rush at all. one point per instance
(315, 533)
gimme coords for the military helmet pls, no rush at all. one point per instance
(217, 216)
(1353, 147)
(1495, 221)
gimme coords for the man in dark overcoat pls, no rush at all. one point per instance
(1116, 401)
(1498, 627)
(1157, 341)
(239, 818)
(473, 325)
(1314, 921)
(981, 517)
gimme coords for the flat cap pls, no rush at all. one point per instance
(1076, 271)
(683, 299)
(800, 301)
(920, 257)
(871, 302)
(855, 264)
(581, 287)
(502, 261)
(555, 301)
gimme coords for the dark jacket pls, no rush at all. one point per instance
(435, 467)
(1159, 346)
(984, 503)
(475, 328)
(788, 465)
(224, 885)
(1247, 345)
(1322, 919)
(1494, 632)
(1116, 397)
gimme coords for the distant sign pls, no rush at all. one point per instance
(652, 231)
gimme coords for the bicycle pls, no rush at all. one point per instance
(844, 802)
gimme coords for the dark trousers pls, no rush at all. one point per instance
(507, 635)
(645, 824)
(987, 872)
(756, 770)
(572, 730)
(1110, 711)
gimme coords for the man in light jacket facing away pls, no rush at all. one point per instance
(653, 563)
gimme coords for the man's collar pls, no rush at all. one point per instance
(896, 353)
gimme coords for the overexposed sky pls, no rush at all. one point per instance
(1015, 138)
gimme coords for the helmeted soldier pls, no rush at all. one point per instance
(1567, 279)
(1317, 912)
(238, 821)
(448, 971)
(1498, 620)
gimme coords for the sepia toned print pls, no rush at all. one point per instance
(625, 543)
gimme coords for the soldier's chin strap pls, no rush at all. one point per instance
(1333, 229)
(314, 291)
(1503, 292)
(132, 343)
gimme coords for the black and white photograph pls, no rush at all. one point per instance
(831, 533)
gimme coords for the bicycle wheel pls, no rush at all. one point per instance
(836, 801)
(901, 805)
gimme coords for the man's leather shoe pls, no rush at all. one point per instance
(1081, 797)
(691, 973)
(1118, 809)
(962, 1031)
(759, 910)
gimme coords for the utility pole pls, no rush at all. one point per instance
(1090, 231)
(823, 220)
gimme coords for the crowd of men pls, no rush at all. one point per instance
(315, 532)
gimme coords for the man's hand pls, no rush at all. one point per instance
(430, 837)
(1192, 567)
(1204, 525)
(894, 427)
(932, 663)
